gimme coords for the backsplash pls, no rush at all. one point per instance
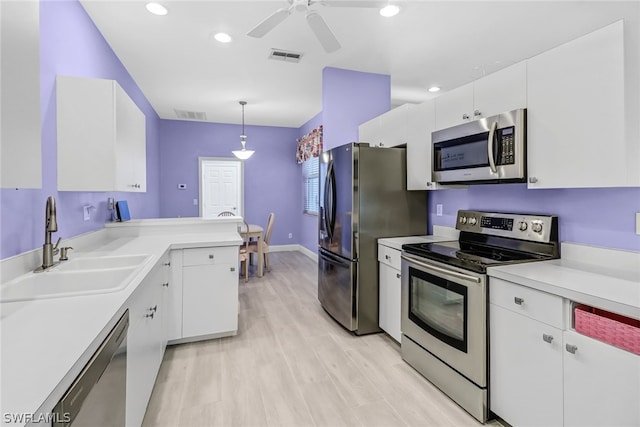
(593, 216)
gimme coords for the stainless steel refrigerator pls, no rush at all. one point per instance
(363, 197)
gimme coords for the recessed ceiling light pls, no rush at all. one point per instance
(389, 10)
(434, 89)
(222, 37)
(157, 9)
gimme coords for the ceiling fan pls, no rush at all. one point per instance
(317, 24)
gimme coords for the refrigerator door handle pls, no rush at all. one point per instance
(332, 258)
(329, 201)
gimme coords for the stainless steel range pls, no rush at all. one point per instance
(445, 297)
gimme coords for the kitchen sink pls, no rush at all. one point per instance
(101, 263)
(60, 283)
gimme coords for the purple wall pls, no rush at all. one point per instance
(71, 45)
(594, 216)
(271, 176)
(350, 98)
(308, 223)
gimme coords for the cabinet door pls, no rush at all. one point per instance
(389, 309)
(525, 370)
(393, 127)
(210, 299)
(130, 144)
(601, 384)
(502, 91)
(175, 296)
(20, 139)
(370, 132)
(575, 117)
(454, 107)
(421, 122)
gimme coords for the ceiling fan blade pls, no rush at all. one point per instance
(322, 32)
(269, 23)
(353, 3)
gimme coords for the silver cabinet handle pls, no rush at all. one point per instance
(154, 308)
(533, 179)
(571, 348)
(547, 338)
(518, 300)
(210, 256)
(398, 275)
(465, 116)
(232, 268)
(167, 264)
(387, 257)
(477, 113)
(149, 316)
(166, 284)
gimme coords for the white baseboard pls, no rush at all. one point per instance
(296, 247)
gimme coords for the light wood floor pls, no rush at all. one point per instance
(292, 365)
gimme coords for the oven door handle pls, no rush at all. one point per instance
(440, 270)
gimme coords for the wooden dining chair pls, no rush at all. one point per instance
(253, 246)
(244, 256)
(226, 213)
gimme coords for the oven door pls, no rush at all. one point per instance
(444, 310)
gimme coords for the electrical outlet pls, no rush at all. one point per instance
(195, 202)
(439, 209)
(291, 235)
(638, 223)
(111, 203)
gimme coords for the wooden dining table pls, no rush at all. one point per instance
(255, 232)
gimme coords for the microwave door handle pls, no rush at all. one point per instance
(492, 133)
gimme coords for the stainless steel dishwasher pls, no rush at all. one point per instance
(97, 397)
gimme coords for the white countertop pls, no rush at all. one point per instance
(45, 343)
(598, 286)
(441, 234)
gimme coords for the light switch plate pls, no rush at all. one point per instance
(439, 209)
(638, 223)
(85, 211)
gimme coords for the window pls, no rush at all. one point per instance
(311, 184)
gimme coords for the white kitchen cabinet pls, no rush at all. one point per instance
(101, 137)
(21, 130)
(601, 384)
(145, 342)
(542, 372)
(576, 114)
(386, 130)
(208, 286)
(390, 285)
(496, 93)
(526, 370)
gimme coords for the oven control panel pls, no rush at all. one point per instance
(540, 228)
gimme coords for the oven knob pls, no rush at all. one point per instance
(463, 220)
(473, 221)
(523, 226)
(536, 227)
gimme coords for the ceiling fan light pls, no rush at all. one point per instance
(156, 9)
(389, 10)
(434, 89)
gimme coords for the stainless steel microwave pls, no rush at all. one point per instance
(485, 151)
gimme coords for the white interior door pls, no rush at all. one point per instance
(220, 187)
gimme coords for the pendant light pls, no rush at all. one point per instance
(243, 154)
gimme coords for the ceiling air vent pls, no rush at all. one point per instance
(283, 55)
(191, 115)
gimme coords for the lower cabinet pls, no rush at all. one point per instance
(205, 283)
(543, 373)
(390, 285)
(146, 340)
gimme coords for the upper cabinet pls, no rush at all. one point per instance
(386, 130)
(576, 115)
(21, 142)
(504, 90)
(101, 137)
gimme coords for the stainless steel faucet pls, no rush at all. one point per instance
(50, 226)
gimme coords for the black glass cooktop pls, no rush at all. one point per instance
(472, 255)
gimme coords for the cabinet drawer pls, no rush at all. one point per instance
(207, 256)
(389, 256)
(532, 303)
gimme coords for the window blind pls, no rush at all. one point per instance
(311, 182)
